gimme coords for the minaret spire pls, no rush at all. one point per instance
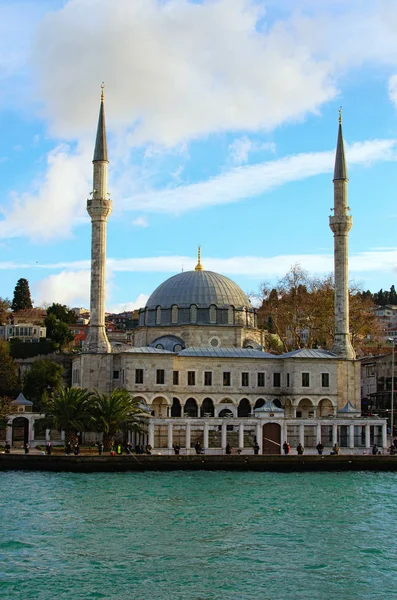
(99, 208)
(341, 223)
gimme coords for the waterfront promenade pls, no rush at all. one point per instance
(92, 464)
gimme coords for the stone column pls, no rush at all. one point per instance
(259, 437)
(48, 435)
(205, 436)
(334, 433)
(241, 436)
(224, 436)
(188, 436)
(367, 436)
(302, 434)
(9, 432)
(31, 431)
(294, 411)
(318, 432)
(384, 435)
(170, 436)
(351, 437)
(62, 435)
(151, 434)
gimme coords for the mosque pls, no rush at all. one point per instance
(198, 363)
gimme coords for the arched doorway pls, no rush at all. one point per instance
(259, 403)
(325, 408)
(20, 431)
(176, 410)
(271, 438)
(190, 408)
(226, 412)
(207, 408)
(244, 408)
(305, 409)
(160, 408)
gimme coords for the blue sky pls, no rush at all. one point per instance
(222, 123)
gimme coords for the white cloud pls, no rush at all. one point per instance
(241, 148)
(55, 203)
(74, 278)
(175, 70)
(246, 182)
(125, 306)
(140, 222)
(392, 87)
(68, 287)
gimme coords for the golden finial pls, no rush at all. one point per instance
(340, 115)
(102, 92)
(199, 266)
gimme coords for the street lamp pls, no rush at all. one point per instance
(392, 340)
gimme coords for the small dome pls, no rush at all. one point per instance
(198, 287)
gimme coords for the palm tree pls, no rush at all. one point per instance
(113, 412)
(70, 409)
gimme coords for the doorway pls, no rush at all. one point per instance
(271, 438)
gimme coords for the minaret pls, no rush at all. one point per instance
(99, 208)
(341, 223)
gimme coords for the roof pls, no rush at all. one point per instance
(269, 406)
(309, 353)
(226, 353)
(101, 149)
(147, 350)
(340, 171)
(21, 401)
(201, 288)
(348, 408)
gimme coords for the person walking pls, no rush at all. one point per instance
(374, 449)
(7, 448)
(228, 449)
(256, 448)
(68, 449)
(286, 448)
(48, 449)
(177, 448)
(300, 449)
(26, 448)
(76, 449)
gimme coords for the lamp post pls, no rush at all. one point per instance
(392, 340)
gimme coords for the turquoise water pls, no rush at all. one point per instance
(198, 536)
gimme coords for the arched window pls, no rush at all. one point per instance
(230, 315)
(212, 313)
(158, 315)
(193, 313)
(160, 346)
(174, 314)
(177, 347)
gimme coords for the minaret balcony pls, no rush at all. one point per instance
(99, 207)
(341, 224)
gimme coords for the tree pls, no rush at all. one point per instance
(58, 331)
(21, 299)
(300, 310)
(5, 306)
(42, 380)
(113, 412)
(8, 372)
(62, 312)
(69, 409)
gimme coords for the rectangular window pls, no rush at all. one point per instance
(207, 378)
(325, 380)
(138, 375)
(191, 378)
(175, 377)
(261, 380)
(276, 379)
(116, 374)
(245, 377)
(160, 376)
(305, 379)
(287, 379)
(227, 378)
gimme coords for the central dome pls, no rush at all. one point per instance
(199, 287)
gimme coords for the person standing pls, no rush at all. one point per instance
(228, 449)
(76, 449)
(300, 449)
(7, 448)
(374, 449)
(256, 448)
(320, 448)
(177, 448)
(26, 448)
(48, 449)
(286, 448)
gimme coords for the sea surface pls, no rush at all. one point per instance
(198, 536)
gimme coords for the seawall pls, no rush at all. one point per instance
(97, 464)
